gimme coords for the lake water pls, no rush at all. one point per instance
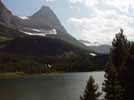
(67, 86)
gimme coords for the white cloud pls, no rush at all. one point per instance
(110, 16)
(50, 0)
(76, 1)
(42, 1)
(101, 29)
(85, 2)
(122, 5)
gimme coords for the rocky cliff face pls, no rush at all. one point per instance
(46, 17)
(7, 18)
(5, 15)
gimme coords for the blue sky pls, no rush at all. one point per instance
(92, 20)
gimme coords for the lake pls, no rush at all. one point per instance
(68, 86)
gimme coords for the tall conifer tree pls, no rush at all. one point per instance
(129, 75)
(91, 91)
(112, 86)
(115, 69)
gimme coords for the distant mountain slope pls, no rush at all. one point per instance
(96, 47)
(9, 32)
(37, 46)
(102, 49)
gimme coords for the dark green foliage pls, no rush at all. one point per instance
(91, 91)
(129, 75)
(115, 68)
(38, 46)
(30, 54)
(69, 62)
(119, 51)
(9, 32)
(119, 73)
(76, 62)
(14, 63)
(112, 86)
(98, 62)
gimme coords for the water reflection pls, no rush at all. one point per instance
(67, 86)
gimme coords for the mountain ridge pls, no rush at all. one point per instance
(44, 19)
(97, 47)
(40, 46)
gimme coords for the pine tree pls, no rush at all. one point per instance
(129, 75)
(119, 54)
(115, 69)
(91, 91)
(119, 51)
(112, 86)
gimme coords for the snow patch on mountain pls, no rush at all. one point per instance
(36, 30)
(37, 34)
(40, 32)
(24, 17)
(92, 43)
(93, 54)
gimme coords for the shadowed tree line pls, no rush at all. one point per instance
(119, 73)
(68, 62)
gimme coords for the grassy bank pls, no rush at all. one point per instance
(13, 74)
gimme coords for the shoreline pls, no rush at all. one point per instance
(22, 74)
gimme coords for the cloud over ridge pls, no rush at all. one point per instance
(110, 16)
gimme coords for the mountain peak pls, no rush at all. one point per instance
(47, 17)
(1, 3)
(45, 9)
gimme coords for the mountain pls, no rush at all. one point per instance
(5, 15)
(37, 46)
(7, 18)
(29, 43)
(46, 17)
(102, 49)
(96, 47)
(40, 23)
(41, 34)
